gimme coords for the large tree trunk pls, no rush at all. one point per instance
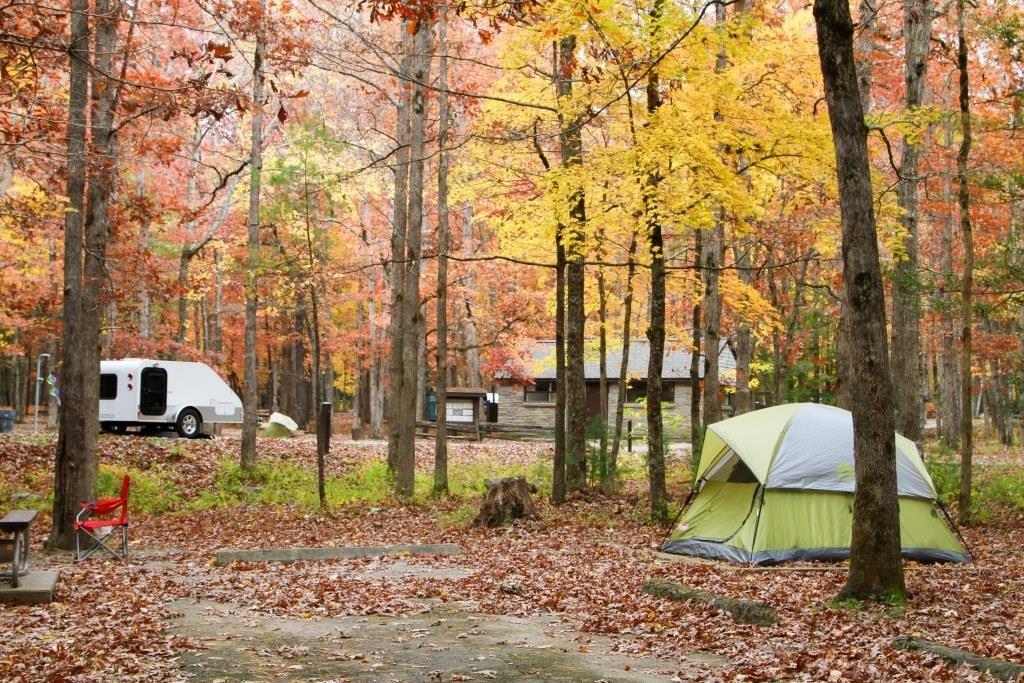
(967, 282)
(571, 139)
(906, 298)
(85, 229)
(876, 570)
(441, 377)
(250, 394)
(558, 476)
(412, 320)
(75, 466)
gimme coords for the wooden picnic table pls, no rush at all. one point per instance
(16, 522)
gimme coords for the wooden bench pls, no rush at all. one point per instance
(15, 549)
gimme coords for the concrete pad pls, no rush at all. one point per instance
(448, 643)
(34, 588)
(321, 554)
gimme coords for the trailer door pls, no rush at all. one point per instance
(153, 394)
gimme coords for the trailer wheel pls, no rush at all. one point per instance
(190, 424)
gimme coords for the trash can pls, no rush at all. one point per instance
(7, 418)
(432, 407)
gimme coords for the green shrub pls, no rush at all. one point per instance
(995, 488)
(151, 492)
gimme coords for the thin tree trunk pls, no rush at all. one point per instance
(876, 570)
(602, 383)
(469, 332)
(743, 400)
(441, 378)
(696, 431)
(250, 394)
(620, 405)
(713, 258)
(906, 299)
(558, 476)
(950, 394)
(967, 282)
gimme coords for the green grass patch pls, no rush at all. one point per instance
(460, 517)
(995, 488)
(276, 483)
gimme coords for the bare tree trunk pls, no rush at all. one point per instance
(75, 465)
(743, 400)
(411, 315)
(949, 395)
(656, 331)
(217, 345)
(397, 271)
(620, 405)
(469, 332)
(906, 298)
(102, 185)
(571, 139)
(696, 431)
(145, 326)
(967, 282)
(250, 394)
(876, 570)
(714, 250)
(602, 383)
(712, 317)
(187, 249)
(441, 378)
(558, 476)
(375, 388)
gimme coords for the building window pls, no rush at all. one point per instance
(543, 391)
(108, 387)
(636, 391)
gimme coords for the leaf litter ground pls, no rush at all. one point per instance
(574, 577)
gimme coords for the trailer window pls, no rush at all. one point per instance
(153, 394)
(108, 387)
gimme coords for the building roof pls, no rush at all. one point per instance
(541, 363)
(466, 391)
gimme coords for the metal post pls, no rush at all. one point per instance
(323, 446)
(39, 384)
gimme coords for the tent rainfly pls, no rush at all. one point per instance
(777, 484)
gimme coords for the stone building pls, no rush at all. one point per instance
(530, 402)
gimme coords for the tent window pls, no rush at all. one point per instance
(741, 474)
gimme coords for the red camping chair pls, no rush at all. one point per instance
(99, 530)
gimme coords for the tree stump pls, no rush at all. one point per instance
(507, 499)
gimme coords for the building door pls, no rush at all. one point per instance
(593, 400)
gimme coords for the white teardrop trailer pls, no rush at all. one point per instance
(190, 398)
